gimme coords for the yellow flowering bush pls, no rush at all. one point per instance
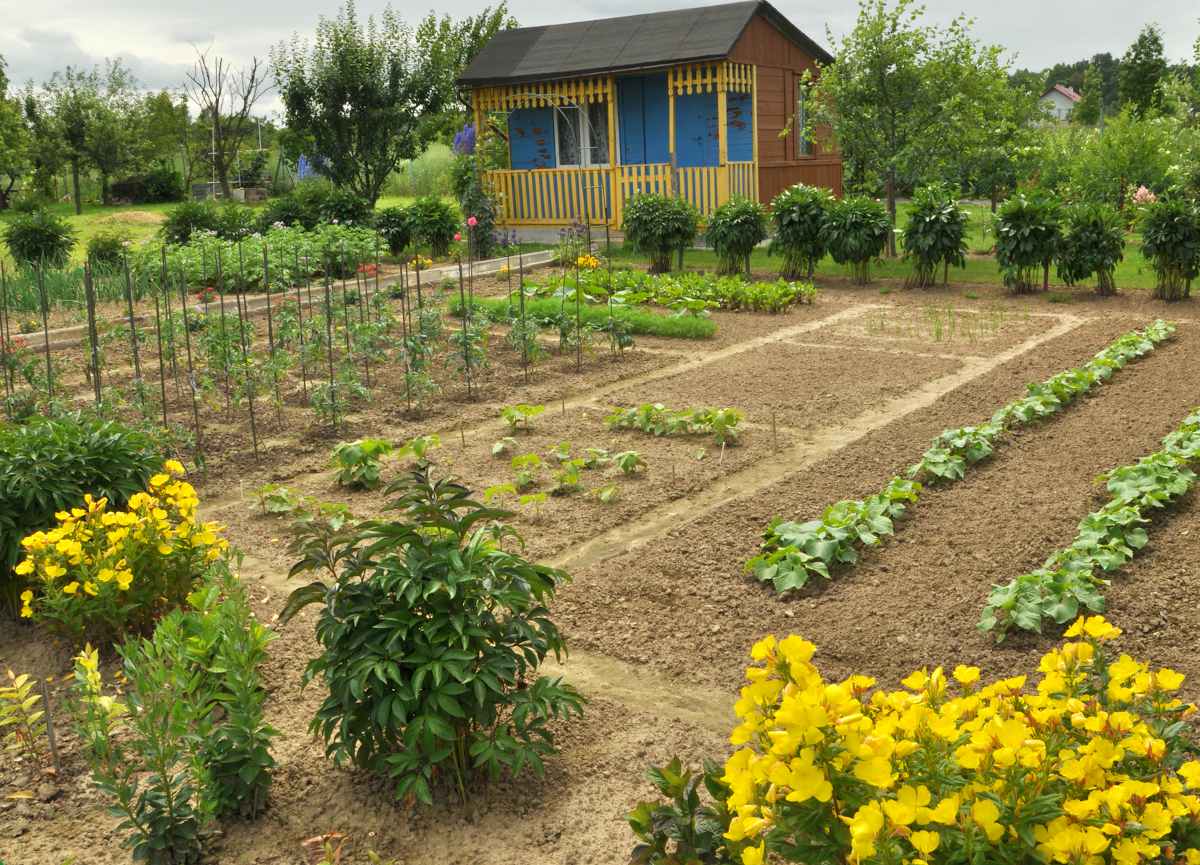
(1089, 767)
(100, 573)
(587, 262)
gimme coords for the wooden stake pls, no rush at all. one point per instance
(49, 717)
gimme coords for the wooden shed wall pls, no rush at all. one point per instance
(780, 61)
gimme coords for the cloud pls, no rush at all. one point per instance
(36, 54)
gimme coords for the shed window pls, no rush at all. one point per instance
(582, 134)
(803, 140)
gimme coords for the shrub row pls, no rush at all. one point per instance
(1070, 580)
(547, 310)
(684, 291)
(792, 553)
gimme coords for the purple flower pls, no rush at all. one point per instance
(464, 140)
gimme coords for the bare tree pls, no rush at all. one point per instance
(226, 96)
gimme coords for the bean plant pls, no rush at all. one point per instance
(798, 213)
(1171, 242)
(935, 237)
(855, 231)
(733, 230)
(1093, 243)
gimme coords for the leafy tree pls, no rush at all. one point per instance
(112, 139)
(1028, 232)
(450, 46)
(72, 96)
(1142, 70)
(936, 235)
(1093, 242)
(354, 99)
(903, 96)
(1090, 106)
(14, 140)
(47, 149)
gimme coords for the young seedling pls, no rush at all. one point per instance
(630, 462)
(358, 462)
(22, 723)
(606, 494)
(527, 468)
(567, 481)
(499, 491)
(561, 452)
(535, 502)
(418, 446)
(521, 416)
(277, 499)
(597, 458)
(503, 446)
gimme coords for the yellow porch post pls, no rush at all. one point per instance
(754, 122)
(612, 196)
(477, 117)
(671, 131)
(722, 145)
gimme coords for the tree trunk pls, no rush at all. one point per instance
(75, 181)
(891, 208)
(995, 198)
(105, 193)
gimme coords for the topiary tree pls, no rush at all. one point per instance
(935, 237)
(40, 239)
(856, 231)
(659, 226)
(734, 229)
(431, 635)
(798, 214)
(1028, 231)
(395, 227)
(434, 222)
(1171, 242)
(1093, 242)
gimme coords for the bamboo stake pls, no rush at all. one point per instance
(89, 291)
(162, 373)
(224, 334)
(166, 293)
(271, 336)
(300, 320)
(41, 280)
(247, 369)
(191, 373)
(466, 321)
(6, 342)
(329, 344)
(404, 332)
(524, 326)
(138, 385)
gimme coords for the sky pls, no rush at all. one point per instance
(158, 39)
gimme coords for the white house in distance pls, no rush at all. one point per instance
(1060, 102)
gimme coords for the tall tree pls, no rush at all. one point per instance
(72, 97)
(14, 140)
(1091, 98)
(226, 95)
(903, 96)
(1142, 71)
(451, 44)
(113, 142)
(354, 99)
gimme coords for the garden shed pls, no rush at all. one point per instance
(707, 103)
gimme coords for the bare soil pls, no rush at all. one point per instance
(660, 614)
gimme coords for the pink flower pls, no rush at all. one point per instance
(472, 221)
(458, 235)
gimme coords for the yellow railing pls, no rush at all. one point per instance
(559, 196)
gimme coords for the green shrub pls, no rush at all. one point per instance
(936, 235)
(475, 202)
(47, 465)
(235, 221)
(302, 205)
(1093, 242)
(40, 239)
(798, 214)
(394, 225)
(434, 223)
(357, 462)
(188, 218)
(659, 226)
(734, 229)
(106, 248)
(163, 183)
(1171, 242)
(428, 174)
(431, 636)
(343, 207)
(855, 231)
(1028, 231)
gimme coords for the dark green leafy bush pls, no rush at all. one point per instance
(798, 214)
(106, 248)
(1028, 231)
(394, 225)
(855, 232)
(734, 229)
(160, 184)
(481, 236)
(343, 207)
(46, 465)
(936, 236)
(1171, 242)
(431, 635)
(659, 226)
(434, 223)
(188, 218)
(1093, 242)
(40, 239)
(235, 221)
(685, 828)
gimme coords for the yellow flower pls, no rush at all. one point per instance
(965, 675)
(71, 588)
(986, 814)
(1096, 627)
(25, 568)
(754, 855)
(174, 467)
(159, 480)
(53, 571)
(26, 601)
(90, 588)
(925, 842)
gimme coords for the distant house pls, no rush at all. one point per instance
(1060, 100)
(699, 103)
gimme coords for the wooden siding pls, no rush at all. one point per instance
(779, 63)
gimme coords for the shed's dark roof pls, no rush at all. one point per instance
(628, 42)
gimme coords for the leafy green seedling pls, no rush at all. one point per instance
(499, 491)
(561, 452)
(520, 416)
(527, 468)
(277, 499)
(358, 462)
(567, 481)
(629, 462)
(606, 494)
(535, 502)
(596, 458)
(418, 446)
(503, 446)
